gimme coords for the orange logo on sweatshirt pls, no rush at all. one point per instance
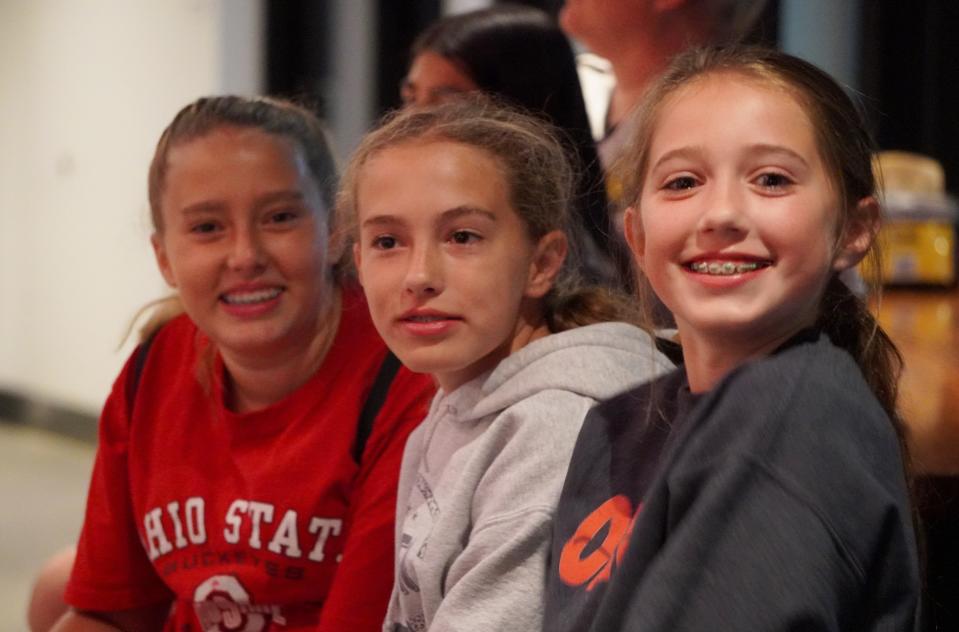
(575, 568)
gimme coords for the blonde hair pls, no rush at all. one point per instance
(270, 115)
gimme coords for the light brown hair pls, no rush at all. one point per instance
(537, 173)
(272, 116)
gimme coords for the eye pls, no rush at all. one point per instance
(284, 216)
(773, 180)
(464, 237)
(682, 183)
(384, 242)
(204, 228)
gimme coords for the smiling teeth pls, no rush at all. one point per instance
(723, 269)
(248, 298)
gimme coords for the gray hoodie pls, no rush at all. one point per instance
(482, 475)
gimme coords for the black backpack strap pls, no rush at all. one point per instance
(136, 371)
(670, 349)
(374, 401)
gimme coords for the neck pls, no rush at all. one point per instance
(635, 71)
(708, 360)
(530, 326)
(638, 64)
(256, 381)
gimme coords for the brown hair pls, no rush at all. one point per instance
(539, 178)
(846, 148)
(273, 116)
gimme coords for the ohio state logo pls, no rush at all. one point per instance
(223, 605)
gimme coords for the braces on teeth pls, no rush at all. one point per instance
(727, 267)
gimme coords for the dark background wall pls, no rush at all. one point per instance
(909, 79)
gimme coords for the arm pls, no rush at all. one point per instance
(111, 571)
(145, 619)
(361, 588)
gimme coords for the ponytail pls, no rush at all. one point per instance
(849, 324)
(566, 308)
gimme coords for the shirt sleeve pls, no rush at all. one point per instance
(112, 570)
(360, 591)
(751, 550)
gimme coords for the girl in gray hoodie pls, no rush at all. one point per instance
(461, 215)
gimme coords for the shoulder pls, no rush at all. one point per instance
(805, 420)
(812, 391)
(356, 326)
(596, 362)
(175, 344)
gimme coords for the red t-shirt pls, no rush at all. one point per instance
(248, 521)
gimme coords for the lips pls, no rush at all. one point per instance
(725, 266)
(426, 316)
(250, 296)
(428, 323)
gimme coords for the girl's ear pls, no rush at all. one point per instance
(858, 234)
(548, 258)
(163, 261)
(634, 235)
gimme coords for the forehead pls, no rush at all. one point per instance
(233, 162)
(431, 173)
(430, 69)
(229, 145)
(731, 106)
(434, 154)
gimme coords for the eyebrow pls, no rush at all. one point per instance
(696, 151)
(208, 206)
(454, 213)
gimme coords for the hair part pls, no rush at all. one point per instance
(539, 180)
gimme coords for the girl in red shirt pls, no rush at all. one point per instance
(233, 486)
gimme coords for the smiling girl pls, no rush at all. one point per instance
(761, 487)
(461, 214)
(236, 484)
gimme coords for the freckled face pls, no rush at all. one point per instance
(244, 240)
(737, 221)
(444, 259)
(434, 79)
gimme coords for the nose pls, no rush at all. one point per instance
(725, 211)
(246, 252)
(424, 276)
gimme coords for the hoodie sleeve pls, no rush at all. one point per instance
(498, 581)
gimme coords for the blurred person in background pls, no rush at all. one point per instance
(632, 43)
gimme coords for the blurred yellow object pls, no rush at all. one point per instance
(906, 171)
(918, 236)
